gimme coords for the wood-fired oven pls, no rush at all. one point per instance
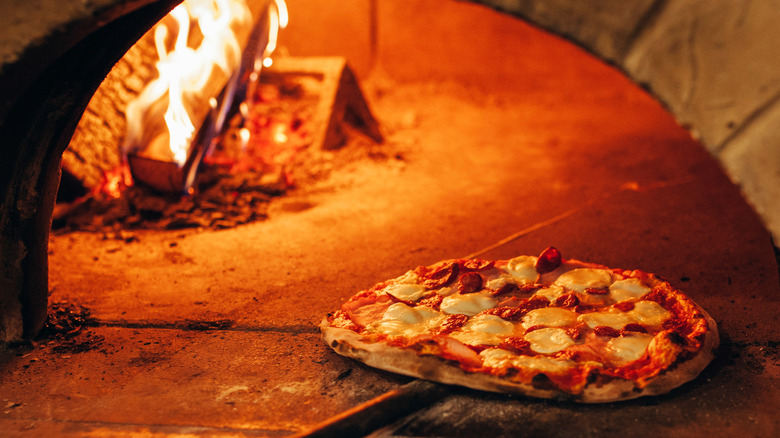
(495, 139)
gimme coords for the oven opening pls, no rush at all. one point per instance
(188, 269)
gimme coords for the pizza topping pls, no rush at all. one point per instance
(478, 265)
(441, 276)
(484, 330)
(585, 278)
(548, 261)
(433, 301)
(452, 323)
(469, 282)
(616, 320)
(549, 317)
(369, 313)
(453, 349)
(568, 300)
(606, 331)
(469, 304)
(649, 313)
(629, 288)
(501, 359)
(549, 340)
(405, 292)
(624, 306)
(400, 319)
(628, 348)
(552, 292)
(410, 277)
(522, 269)
(633, 328)
(505, 288)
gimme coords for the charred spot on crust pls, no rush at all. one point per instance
(511, 372)
(541, 381)
(677, 339)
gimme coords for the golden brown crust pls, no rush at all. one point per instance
(407, 362)
(428, 367)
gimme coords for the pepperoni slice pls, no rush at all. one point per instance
(478, 265)
(607, 331)
(633, 327)
(470, 282)
(516, 345)
(624, 306)
(568, 300)
(452, 323)
(548, 260)
(433, 301)
(442, 276)
(507, 288)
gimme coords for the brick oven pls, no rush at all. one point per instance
(644, 138)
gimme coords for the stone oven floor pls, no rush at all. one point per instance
(215, 332)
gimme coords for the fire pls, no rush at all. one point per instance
(186, 68)
(177, 115)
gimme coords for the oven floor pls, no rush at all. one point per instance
(215, 332)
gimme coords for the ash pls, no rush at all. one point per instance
(65, 329)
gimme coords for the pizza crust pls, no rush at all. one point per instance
(408, 362)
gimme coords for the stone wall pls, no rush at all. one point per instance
(713, 63)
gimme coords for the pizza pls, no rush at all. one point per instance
(538, 326)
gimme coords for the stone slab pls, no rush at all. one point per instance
(175, 381)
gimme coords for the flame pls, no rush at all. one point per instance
(277, 20)
(184, 71)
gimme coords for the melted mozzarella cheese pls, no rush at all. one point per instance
(408, 278)
(497, 282)
(542, 364)
(406, 292)
(627, 289)
(550, 317)
(585, 278)
(649, 313)
(549, 340)
(489, 324)
(400, 319)
(522, 269)
(498, 358)
(484, 330)
(467, 304)
(628, 348)
(616, 320)
(551, 292)
(446, 291)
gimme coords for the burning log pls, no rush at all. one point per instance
(162, 141)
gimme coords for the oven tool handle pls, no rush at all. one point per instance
(379, 411)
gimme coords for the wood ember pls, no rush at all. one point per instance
(223, 200)
(65, 330)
